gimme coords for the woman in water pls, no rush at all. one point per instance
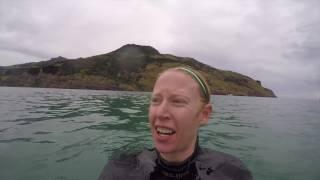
(180, 105)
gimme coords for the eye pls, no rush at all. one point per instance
(178, 101)
(155, 100)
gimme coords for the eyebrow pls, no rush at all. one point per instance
(172, 96)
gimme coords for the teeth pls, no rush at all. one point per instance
(166, 131)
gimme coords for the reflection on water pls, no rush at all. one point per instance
(56, 128)
(70, 134)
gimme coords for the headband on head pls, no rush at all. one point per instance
(202, 84)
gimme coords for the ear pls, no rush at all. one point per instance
(206, 112)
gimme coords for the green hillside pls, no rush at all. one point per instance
(131, 68)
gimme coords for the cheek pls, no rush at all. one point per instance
(188, 120)
(150, 115)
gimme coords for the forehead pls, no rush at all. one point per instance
(175, 81)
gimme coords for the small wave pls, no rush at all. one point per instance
(70, 157)
(3, 130)
(42, 132)
(44, 142)
(130, 111)
(16, 140)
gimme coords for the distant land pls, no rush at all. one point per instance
(129, 68)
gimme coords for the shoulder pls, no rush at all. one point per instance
(218, 164)
(125, 166)
(217, 157)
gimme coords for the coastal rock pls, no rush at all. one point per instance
(130, 68)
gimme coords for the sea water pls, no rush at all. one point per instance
(62, 134)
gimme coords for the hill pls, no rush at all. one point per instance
(131, 68)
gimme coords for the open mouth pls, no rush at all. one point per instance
(162, 131)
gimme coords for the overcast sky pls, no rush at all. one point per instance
(274, 41)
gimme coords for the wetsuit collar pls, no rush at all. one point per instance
(177, 170)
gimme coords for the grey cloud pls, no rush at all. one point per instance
(307, 49)
(26, 51)
(80, 28)
(256, 39)
(273, 41)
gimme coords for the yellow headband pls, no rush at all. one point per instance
(203, 86)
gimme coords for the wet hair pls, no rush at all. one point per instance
(199, 79)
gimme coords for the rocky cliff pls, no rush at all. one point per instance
(131, 68)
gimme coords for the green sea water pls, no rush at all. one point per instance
(55, 134)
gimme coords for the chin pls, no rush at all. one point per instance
(163, 148)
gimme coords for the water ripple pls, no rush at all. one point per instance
(42, 132)
(15, 140)
(71, 133)
(69, 157)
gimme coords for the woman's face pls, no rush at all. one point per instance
(176, 112)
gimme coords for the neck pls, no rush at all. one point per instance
(176, 170)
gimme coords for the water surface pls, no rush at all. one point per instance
(70, 134)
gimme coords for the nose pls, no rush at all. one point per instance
(163, 111)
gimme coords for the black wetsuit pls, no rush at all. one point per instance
(204, 164)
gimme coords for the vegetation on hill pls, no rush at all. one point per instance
(131, 68)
